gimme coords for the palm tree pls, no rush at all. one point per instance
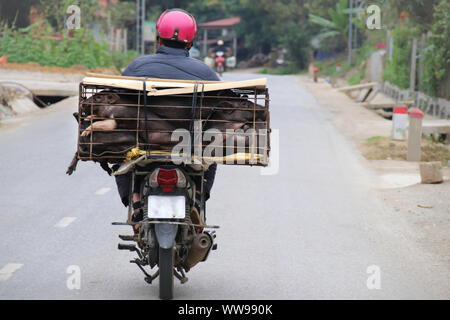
(338, 25)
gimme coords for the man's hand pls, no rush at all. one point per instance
(106, 125)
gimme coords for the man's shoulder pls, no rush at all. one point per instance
(204, 68)
(167, 59)
(156, 64)
(137, 66)
(142, 60)
(199, 64)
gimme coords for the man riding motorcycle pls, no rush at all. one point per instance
(176, 31)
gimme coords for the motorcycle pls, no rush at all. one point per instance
(172, 233)
(220, 62)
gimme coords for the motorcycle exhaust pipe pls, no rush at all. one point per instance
(199, 248)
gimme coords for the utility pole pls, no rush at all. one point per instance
(142, 27)
(350, 27)
(140, 18)
(412, 76)
(138, 24)
(355, 23)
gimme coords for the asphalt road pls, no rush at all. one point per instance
(313, 230)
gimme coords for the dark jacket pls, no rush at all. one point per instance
(170, 63)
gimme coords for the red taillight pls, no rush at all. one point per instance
(167, 189)
(167, 177)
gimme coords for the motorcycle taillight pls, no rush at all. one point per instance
(167, 177)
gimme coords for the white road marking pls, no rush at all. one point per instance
(7, 271)
(64, 222)
(102, 191)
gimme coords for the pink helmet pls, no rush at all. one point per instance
(177, 25)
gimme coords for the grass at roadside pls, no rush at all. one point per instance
(382, 148)
(353, 73)
(37, 44)
(284, 70)
(36, 67)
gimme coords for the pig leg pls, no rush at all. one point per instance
(73, 165)
(109, 124)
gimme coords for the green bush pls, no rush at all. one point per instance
(397, 69)
(32, 44)
(288, 68)
(437, 52)
(357, 77)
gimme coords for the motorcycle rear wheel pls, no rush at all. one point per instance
(166, 257)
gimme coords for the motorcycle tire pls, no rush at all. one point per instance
(166, 257)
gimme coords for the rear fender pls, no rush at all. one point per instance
(165, 234)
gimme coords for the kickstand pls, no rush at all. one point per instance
(148, 278)
(181, 277)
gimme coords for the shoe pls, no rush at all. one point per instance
(197, 201)
(138, 213)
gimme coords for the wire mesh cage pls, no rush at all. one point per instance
(227, 126)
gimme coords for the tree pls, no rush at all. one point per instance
(55, 11)
(437, 53)
(321, 7)
(267, 24)
(337, 25)
(122, 12)
(16, 12)
(419, 11)
(397, 68)
(208, 10)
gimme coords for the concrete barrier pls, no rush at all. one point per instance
(15, 100)
(23, 105)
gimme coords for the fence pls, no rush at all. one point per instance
(437, 107)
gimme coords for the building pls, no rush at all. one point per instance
(225, 27)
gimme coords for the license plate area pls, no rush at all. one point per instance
(166, 207)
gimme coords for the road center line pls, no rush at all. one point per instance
(102, 191)
(64, 222)
(7, 271)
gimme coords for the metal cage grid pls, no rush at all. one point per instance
(194, 113)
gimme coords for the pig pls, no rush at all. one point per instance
(107, 111)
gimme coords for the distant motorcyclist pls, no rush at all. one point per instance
(219, 57)
(219, 47)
